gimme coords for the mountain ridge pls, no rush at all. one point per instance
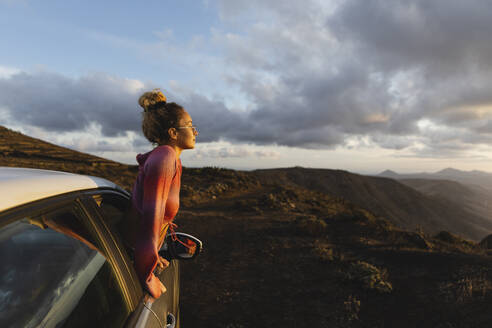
(388, 198)
(473, 177)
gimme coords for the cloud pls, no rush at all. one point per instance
(59, 103)
(312, 74)
(309, 89)
(227, 150)
(434, 34)
(91, 145)
(319, 73)
(6, 72)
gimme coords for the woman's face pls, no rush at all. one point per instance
(186, 132)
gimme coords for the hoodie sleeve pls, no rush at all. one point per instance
(159, 171)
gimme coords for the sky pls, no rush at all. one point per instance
(358, 85)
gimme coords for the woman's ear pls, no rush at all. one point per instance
(173, 133)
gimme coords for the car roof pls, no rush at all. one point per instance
(22, 185)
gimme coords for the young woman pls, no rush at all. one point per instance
(155, 197)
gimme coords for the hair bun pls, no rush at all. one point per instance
(151, 98)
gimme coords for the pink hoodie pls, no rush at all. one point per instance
(156, 199)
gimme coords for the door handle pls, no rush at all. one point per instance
(171, 321)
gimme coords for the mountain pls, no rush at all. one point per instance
(449, 171)
(475, 177)
(404, 206)
(17, 149)
(471, 191)
(288, 248)
(473, 198)
(389, 174)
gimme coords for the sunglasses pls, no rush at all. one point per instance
(193, 127)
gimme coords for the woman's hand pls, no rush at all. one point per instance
(191, 247)
(163, 288)
(162, 263)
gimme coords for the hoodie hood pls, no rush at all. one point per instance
(142, 158)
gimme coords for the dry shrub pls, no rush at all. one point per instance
(466, 286)
(369, 276)
(312, 225)
(324, 251)
(352, 309)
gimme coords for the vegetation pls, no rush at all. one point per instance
(283, 249)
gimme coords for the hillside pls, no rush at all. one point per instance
(402, 205)
(472, 198)
(469, 178)
(20, 150)
(286, 249)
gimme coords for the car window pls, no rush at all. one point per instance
(114, 211)
(113, 206)
(52, 275)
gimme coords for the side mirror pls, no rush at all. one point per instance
(181, 246)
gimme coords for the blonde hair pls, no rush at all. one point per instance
(151, 98)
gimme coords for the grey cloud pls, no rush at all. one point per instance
(213, 119)
(140, 142)
(485, 127)
(451, 148)
(371, 67)
(317, 94)
(90, 145)
(447, 143)
(448, 42)
(266, 153)
(315, 76)
(233, 152)
(393, 142)
(419, 32)
(59, 103)
(216, 122)
(436, 151)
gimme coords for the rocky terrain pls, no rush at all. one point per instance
(404, 205)
(309, 248)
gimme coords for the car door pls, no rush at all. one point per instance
(111, 208)
(56, 269)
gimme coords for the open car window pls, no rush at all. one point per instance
(113, 209)
(52, 275)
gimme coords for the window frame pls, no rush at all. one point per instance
(118, 251)
(143, 299)
(77, 199)
(135, 298)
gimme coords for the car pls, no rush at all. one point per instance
(63, 259)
